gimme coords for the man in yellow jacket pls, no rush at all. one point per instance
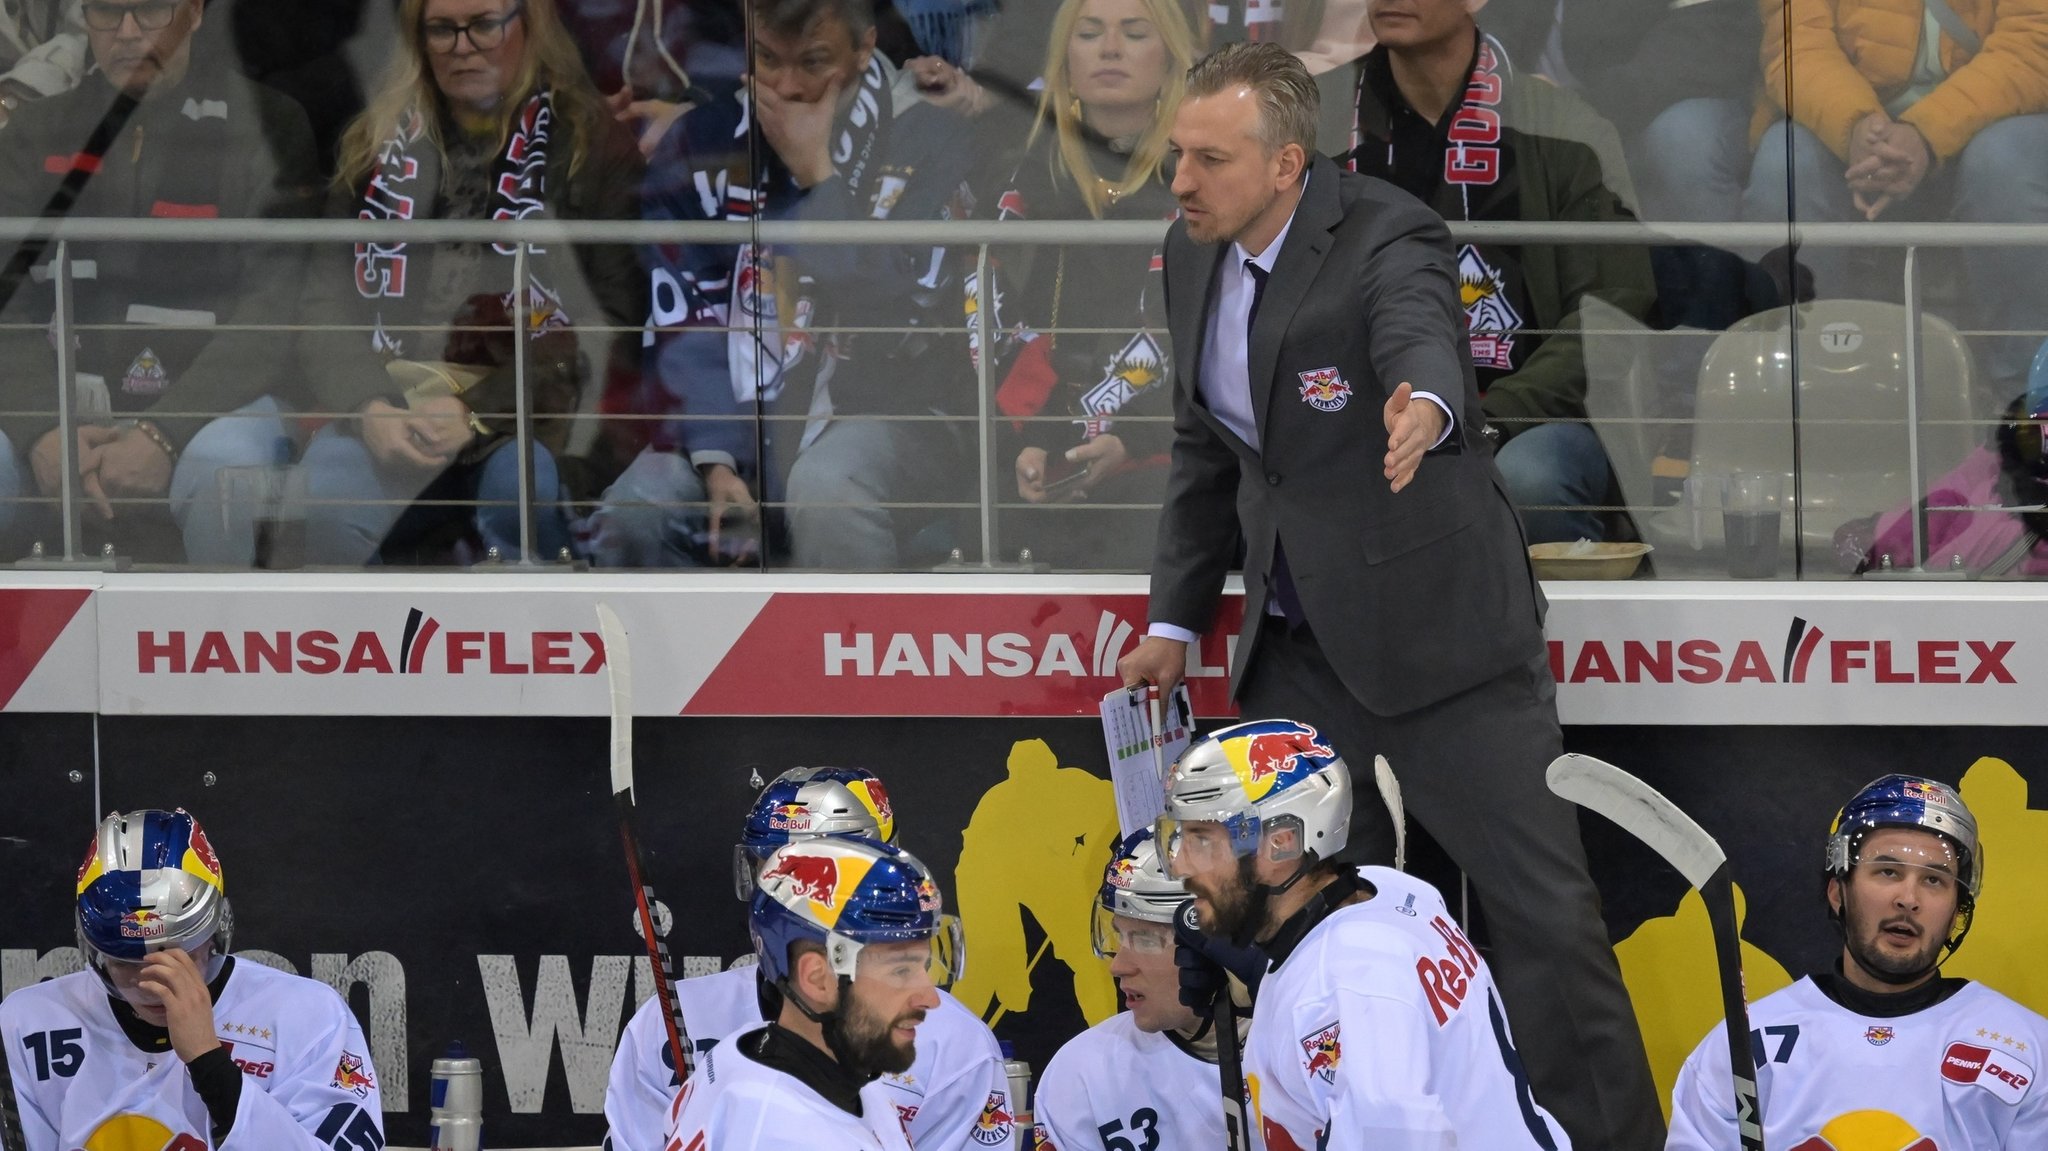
(1911, 110)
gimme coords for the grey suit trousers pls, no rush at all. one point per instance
(1471, 771)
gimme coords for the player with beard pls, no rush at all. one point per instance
(1133, 1075)
(1377, 1023)
(1883, 1050)
(842, 929)
(953, 1092)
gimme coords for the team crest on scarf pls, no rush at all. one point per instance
(1324, 389)
(1490, 319)
(1137, 367)
(146, 375)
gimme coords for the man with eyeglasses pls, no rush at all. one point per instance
(810, 371)
(166, 337)
(1883, 1050)
(1146, 1076)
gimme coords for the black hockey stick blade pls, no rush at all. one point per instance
(618, 661)
(1644, 812)
(1230, 1075)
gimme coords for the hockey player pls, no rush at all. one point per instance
(1148, 1075)
(956, 1096)
(1377, 1024)
(842, 931)
(166, 1041)
(1883, 1051)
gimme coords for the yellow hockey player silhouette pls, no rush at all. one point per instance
(1668, 965)
(2008, 933)
(1037, 842)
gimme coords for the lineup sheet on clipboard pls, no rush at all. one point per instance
(1140, 753)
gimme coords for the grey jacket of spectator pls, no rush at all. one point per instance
(214, 145)
(42, 45)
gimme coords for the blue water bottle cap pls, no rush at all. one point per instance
(456, 1050)
(1009, 1048)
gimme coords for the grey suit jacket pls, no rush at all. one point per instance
(1413, 597)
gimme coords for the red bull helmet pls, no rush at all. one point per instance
(1922, 804)
(1135, 884)
(1255, 777)
(843, 894)
(150, 882)
(808, 802)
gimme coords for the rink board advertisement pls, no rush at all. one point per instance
(440, 843)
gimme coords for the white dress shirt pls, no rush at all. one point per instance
(1226, 384)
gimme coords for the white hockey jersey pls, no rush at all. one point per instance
(732, 1103)
(307, 1080)
(1114, 1082)
(1958, 1076)
(955, 1097)
(1383, 1031)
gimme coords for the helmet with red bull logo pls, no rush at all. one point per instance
(1920, 804)
(1136, 885)
(150, 882)
(843, 894)
(1257, 776)
(806, 803)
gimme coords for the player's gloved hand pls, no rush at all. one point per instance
(1206, 963)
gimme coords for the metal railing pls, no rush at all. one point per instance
(533, 235)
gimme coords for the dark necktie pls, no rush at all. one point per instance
(1281, 581)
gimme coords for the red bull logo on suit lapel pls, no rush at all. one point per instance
(1324, 389)
(1278, 751)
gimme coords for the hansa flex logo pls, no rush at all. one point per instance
(1808, 655)
(422, 646)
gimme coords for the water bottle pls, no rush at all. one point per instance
(457, 1101)
(1019, 1075)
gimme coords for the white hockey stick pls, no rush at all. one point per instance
(618, 663)
(1390, 794)
(1642, 811)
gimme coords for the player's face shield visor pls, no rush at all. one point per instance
(1192, 845)
(949, 953)
(906, 965)
(1114, 933)
(1921, 868)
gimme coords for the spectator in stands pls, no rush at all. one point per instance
(1915, 112)
(832, 132)
(42, 51)
(1443, 115)
(1079, 400)
(162, 332)
(1679, 83)
(2010, 471)
(486, 115)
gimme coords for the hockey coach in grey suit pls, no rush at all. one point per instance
(1325, 406)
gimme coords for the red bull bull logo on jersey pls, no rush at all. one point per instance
(1320, 1052)
(1867, 1131)
(992, 1127)
(1264, 758)
(352, 1074)
(1324, 389)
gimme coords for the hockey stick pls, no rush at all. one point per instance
(1643, 812)
(618, 663)
(1390, 794)
(1230, 1072)
(11, 1138)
